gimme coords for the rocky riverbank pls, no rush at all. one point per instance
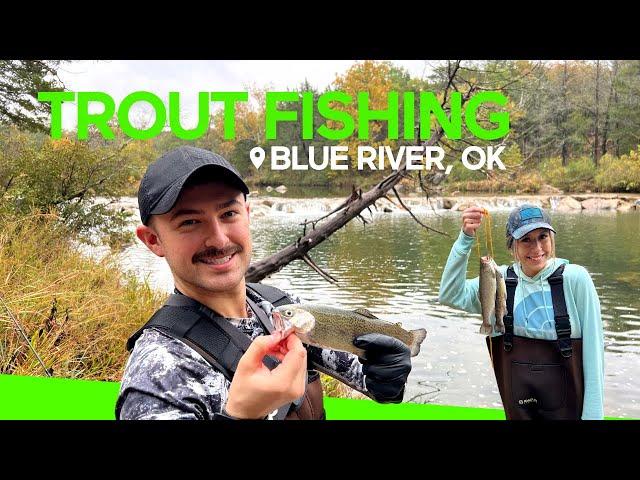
(262, 205)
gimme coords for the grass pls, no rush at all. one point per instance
(76, 312)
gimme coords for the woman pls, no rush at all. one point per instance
(547, 365)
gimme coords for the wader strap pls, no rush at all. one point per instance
(274, 295)
(261, 315)
(511, 283)
(560, 314)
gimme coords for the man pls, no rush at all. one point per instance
(194, 214)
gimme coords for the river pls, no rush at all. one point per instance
(392, 266)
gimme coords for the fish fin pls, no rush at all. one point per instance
(417, 337)
(365, 312)
(485, 329)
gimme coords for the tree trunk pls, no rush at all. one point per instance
(563, 118)
(596, 138)
(612, 87)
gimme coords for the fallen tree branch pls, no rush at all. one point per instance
(322, 273)
(414, 217)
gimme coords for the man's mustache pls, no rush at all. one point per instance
(216, 252)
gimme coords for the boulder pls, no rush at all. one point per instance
(549, 190)
(625, 207)
(447, 203)
(601, 204)
(546, 202)
(568, 204)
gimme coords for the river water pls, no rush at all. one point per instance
(393, 267)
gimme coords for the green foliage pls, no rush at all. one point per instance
(577, 176)
(20, 82)
(75, 179)
(619, 174)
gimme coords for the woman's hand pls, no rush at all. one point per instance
(471, 220)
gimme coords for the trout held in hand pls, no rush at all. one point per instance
(335, 328)
(493, 295)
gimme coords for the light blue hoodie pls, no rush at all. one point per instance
(533, 311)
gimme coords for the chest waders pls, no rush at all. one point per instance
(221, 344)
(539, 379)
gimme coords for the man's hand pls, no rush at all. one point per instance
(255, 390)
(386, 366)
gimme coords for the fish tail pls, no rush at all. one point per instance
(417, 337)
(485, 329)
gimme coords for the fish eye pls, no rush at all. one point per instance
(288, 313)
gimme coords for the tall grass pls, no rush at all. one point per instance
(77, 313)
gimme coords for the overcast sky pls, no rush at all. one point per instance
(118, 78)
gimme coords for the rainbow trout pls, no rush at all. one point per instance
(335, 328)
(493, 295)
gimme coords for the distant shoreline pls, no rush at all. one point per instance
(262, 204)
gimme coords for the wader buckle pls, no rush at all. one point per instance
(506, 341)
(565, 347)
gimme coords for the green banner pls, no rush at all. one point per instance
(39, 398)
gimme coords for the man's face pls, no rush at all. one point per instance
(205, 238)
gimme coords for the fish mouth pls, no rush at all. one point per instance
(278, 321)
(281, 325)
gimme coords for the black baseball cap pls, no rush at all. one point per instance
(165, 178)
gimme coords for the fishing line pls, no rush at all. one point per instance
(488, 240)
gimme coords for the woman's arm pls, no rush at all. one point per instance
(455, 290)
(592, 346)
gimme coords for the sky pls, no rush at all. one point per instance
(119, 78)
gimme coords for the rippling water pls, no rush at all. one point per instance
(393, 268)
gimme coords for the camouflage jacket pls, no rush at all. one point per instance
(165, 378)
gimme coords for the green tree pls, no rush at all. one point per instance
(20, 82)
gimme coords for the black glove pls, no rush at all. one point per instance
(386, 366)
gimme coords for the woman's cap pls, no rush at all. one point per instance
(525, 219)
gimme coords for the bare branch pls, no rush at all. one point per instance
(322, 273)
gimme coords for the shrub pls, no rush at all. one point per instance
(619, 174)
